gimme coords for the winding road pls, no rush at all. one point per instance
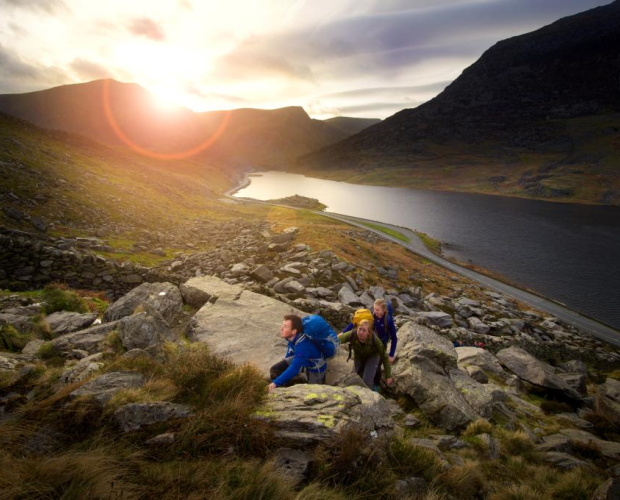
(415, 244)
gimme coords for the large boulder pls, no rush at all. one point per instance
(305, 415)
(163, 297)
(422, 372)
(607, 401)
(62, 322)
(536, 372)
(144, 330)
(245, 326)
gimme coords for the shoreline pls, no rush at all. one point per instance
(578, 319)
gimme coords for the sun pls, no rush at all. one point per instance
(166, 98)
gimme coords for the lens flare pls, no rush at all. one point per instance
(160, 156)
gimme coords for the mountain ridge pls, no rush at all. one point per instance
(525, 95)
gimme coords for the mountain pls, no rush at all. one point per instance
(537, 115)
(351, 125)
(120, 113)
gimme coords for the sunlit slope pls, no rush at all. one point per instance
(76, 184)
(538, 115)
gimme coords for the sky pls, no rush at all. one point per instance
(360, 58)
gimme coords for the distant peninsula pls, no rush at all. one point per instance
(300, 202)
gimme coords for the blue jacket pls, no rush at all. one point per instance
(305, 354)
(384, 334)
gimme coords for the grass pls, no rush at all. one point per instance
(386, 230)
(431, 243)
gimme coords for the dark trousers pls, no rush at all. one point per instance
(367, 368)
(311, 377)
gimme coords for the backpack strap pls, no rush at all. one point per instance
(353, 338)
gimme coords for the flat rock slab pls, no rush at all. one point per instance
(532, 370)
(66, 322)
(304, 415)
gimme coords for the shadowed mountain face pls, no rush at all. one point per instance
(118, 113)
(552, 92)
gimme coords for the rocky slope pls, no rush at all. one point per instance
(547, 99)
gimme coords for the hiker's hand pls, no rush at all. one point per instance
(391, 358)
(388, 381)
(271, 387)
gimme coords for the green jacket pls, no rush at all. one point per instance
(363, 351)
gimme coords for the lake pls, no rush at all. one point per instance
(567, 252)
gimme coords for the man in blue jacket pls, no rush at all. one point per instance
(301, 354)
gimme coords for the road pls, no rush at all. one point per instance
(415, 244)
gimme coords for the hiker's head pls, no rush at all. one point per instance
(379, 308)
(364, 329)
(291, 326)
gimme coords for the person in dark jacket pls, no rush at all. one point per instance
(384, 326)
(368, 352)
(301, 354)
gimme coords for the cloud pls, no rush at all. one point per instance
(192, 89)
(88, 70)
(15, 67)
(245, 63)
(49, 6)
(148, 28)
(433, 88)
(19, 76)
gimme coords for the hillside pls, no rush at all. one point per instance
(117, 113)
(537, 115)
(351, 125)
(65, 184)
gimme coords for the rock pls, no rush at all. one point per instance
(609, 490)
(491, 444)
(230, 331)
(133, 416)
(477, 374)
(20, 322)
(163, 297)
(348, 298)
(83, 369)
(89, 340)
(262, 273)
(574, 366)
(305, 415)
(411, 421)
(32, 347)
(563, 460)
(437, 318)
(285, 236)
(146, 331)
(164, 439)
(294, 464)
(478, 325)
(483, 359)
(536, 372)
(607, 400)
(66, 322)
(136, 354)
(421, 372)
(412, 487)
(576, 381)
(104, 387)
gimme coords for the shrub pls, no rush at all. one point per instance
(408, 460)
(465, 482)
(91, 474)
(480, 426)
(58, 298)
(13, 340)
